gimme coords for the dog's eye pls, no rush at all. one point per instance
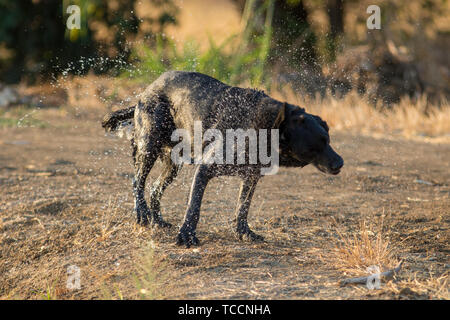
(300, 120)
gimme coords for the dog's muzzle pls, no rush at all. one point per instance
(329, 162)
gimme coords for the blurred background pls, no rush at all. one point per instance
(304, 51)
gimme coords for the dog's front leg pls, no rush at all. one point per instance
(246, 192)
(186, 235)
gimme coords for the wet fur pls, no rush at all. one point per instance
(177, 99)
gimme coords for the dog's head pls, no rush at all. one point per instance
(304, 138)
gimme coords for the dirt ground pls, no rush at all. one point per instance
(66, 200)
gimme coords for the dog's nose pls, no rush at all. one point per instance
(338, 164)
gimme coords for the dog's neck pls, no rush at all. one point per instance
(268, 113)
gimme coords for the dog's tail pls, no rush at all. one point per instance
(114, 120)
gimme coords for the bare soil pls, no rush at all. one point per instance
(66, 200)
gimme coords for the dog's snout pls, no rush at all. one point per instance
(337, 164)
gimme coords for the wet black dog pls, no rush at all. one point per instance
(176, 100)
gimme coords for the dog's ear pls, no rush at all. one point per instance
(322, 123)
(281, 116)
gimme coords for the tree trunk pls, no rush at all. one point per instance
(335, 10)
(293, 42)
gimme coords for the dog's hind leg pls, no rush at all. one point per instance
(145, 159)
(149, 137)
(246, 192)
(170, 171)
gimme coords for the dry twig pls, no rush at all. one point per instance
(363, 280)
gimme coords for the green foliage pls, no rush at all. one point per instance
(22, 116)
(218, 61)
(35, 42)
(242, 58)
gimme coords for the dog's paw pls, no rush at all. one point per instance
(187, 238)
(251, 236)
(143, 216)
(244, 233)
(142, 220)
(161, 224)
(158, 221)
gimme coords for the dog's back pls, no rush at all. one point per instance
(194, 96)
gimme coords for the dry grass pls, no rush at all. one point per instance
(80, 213)
(353, 113)
(149, 277)
(146, 281)
(412, 287)
(368, 246)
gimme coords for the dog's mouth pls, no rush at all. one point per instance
(334, 172)
(328, 170)
(323, 168)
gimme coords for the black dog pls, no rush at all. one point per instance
(178, 99)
